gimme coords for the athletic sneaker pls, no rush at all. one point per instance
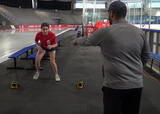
(36, 75)
(57, 77)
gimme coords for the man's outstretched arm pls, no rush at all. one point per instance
(93, 40)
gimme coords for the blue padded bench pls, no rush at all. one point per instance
(33, 56)
(17, 54)
(154, 56)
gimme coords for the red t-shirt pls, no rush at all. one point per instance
(43, 39)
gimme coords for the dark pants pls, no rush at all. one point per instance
(117, 101)
(78, 34)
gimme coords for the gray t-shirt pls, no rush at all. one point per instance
(125, 50)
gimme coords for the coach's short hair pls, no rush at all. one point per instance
(118, 8)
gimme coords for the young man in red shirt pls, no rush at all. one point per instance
(48, 43)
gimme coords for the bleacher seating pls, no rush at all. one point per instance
(32, 16)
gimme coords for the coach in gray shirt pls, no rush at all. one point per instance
(125, 50)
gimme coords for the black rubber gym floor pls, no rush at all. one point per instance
(46, 96)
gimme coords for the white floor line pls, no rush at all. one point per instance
(5, 57)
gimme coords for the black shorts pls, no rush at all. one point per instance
(49, 50)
